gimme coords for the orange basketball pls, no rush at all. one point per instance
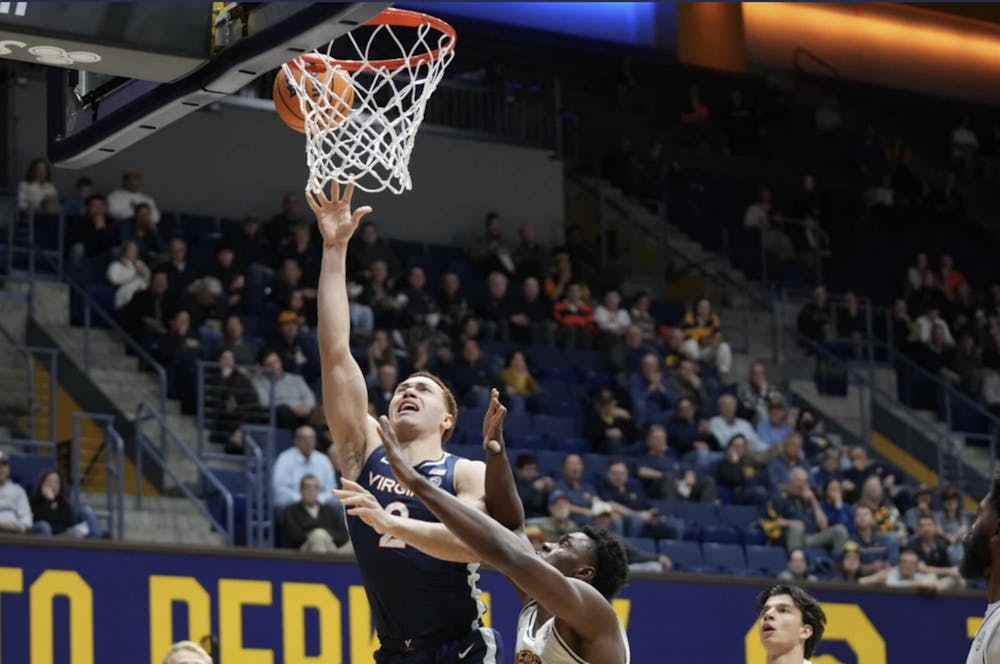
(331, 91)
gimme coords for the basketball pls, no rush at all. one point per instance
(338, 93)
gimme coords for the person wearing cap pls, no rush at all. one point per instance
(298, 350)
(15, 510)
(558, 524)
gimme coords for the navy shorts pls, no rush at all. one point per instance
(481, 646)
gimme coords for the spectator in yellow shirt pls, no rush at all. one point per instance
(517, 379)
(703, 337)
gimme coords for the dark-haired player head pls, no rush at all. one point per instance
(790, 623)
(591, 555)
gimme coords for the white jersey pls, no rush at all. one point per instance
(544, 645)
(986, 645)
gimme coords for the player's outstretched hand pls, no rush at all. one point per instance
(336, 221)
(493, 441)
(357, 501)
(404, 472)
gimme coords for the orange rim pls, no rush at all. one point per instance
(402, 17)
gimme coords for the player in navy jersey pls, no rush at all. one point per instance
(419, 577)
(567, 617)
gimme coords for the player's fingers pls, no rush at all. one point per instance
(348, 192)
(311, 200)
(334, 191)
(493, 446)
(359, 213)
(351, 485)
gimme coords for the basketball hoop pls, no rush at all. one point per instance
(370, 146)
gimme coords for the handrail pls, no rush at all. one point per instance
(114, 460)
(89, 306)
(799, 52)
(264, 457)
(145, 412)
(53, 367)
(201, 366)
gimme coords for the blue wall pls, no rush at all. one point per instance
(119, 599)
(632, 23)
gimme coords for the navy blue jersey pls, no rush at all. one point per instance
(414, 597)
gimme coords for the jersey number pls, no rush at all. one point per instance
(388, 541)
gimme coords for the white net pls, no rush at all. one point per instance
(368, 139)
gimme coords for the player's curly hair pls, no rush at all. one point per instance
(610, 562)
(812, 612)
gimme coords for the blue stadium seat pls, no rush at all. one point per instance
(549, 461)
(516, 423)
(820, 560)
(666, 507)
(739, 516)
(726, 556)
(754, 536)
(595, 466)
(534, 441)
(474, 452)
(556, 426)
(702, 514)
(25, 469)
(769, 559)
(683, 554)
(721, 534)
(646, 544)
(282, 440)
(578, 445)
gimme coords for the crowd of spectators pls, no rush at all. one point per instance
(49, 508)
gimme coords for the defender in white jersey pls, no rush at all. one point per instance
(569, 583)
(981, 553)
(791, 624)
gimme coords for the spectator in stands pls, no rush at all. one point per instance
(932, 319)
(877, 549)
(738, 474)
(75, 204)
(381, 351)
(451, 303)
(95, 235)
(726, 424)
(287, 282)
(147, 313)
(849, 569)
(36, 193)
(491, 252)
(495, 309)
(557, 282)
(850, 322)
(703, 337)
(52, 510)
(907, 575)
(921, 507)
(813, 442)
(797, 514)
(932, 550)
(609, 427)
(141, 230)
(631, 505)
(251, 245)
(521, 387)
(814, 317)
(662, 477)
(964, 147)
(756, 394)
(954, 522)
(15, 510)
(798, 568)
(299, 460)
(990, 388)
(381, 393)
(861, 469)
(686, 383)
(965, 367)
(634, 349)
(298, 350)
(559, 522)
(581, 494)
(811, 241)
(837, 511)
(229, 275)
(530, 258)
(235, 400)
(311, 525)
(365, 248)
(674, 351)
(531, 316)
(301, 248)
(379, 294)
(179, 350)
(294, 402)
(128, 273)
(651, 394)
(919, 275)
(948, 277)
(181, 271)
(416, 301)
(122, 202)
(473, 376)
(905, 333)
(760, 216)
(642, 318)
(688, 431)
(788, 459)
(532, 488)
(828, 469)
(612, 321)
(278, 229)
(575, 319)
(244, 351)
(581, 256)
(638, 560)
(775, 429)
(937, 355)
(885, 513)
(206, 302)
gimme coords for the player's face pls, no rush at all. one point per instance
(976, 559)
(781, 627)
(573, 555)
(418, 407)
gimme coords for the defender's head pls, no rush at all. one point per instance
(977, 559)
(421, 405)
(594, 556)
(788, 617)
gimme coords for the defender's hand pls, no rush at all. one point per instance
(493, 441)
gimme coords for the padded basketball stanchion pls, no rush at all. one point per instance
(371, 146)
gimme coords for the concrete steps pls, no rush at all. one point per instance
(163, 520)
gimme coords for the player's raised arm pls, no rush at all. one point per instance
(572, 600)
(502, 501)
(345, 395)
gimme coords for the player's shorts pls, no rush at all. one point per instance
(481, 646)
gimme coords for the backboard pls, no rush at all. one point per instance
(120, 71)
